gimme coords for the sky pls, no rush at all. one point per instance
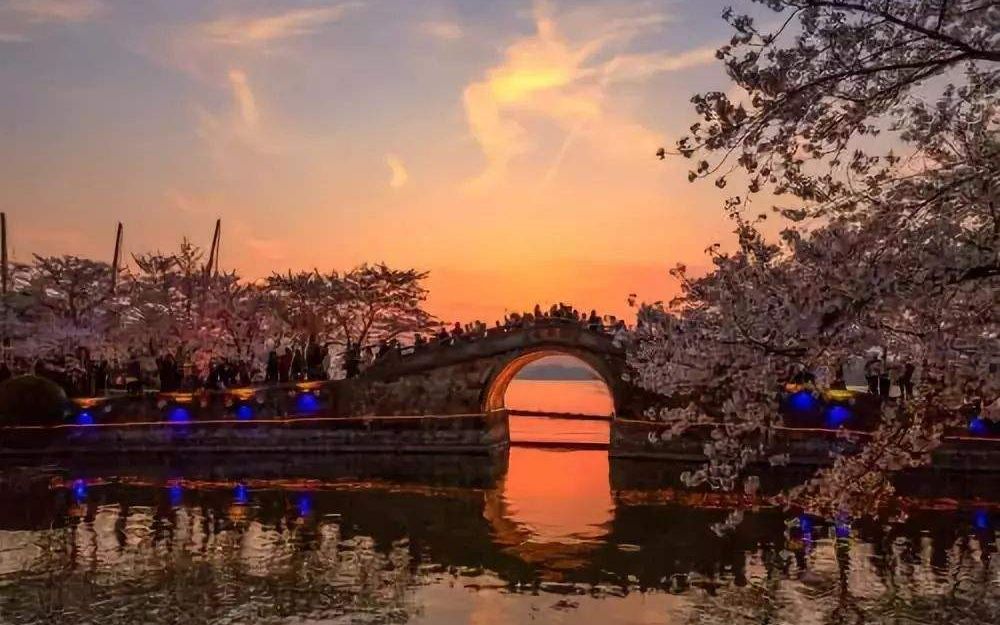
(505, 146)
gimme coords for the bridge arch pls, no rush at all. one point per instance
(498, 379)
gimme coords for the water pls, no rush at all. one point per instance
(539, 536)
(584, 397)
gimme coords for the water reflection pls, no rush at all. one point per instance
(560, 496)
(547, 540)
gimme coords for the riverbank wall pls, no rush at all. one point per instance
(792, 446)
(307, 417)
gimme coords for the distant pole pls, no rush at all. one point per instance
(116, 260)
(3, 253)
(211, 253)
(5, 343)
(218, 245)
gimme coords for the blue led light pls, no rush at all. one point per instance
(79, 491)
(842, 529)
(179, 414)
(304, 505)
(244, 412)
(805, 525)
(979, 426)
(981, 519)
(802, 400)
(837, 415)
(176, 494)
(306, 403)
(240, 494)
(84, 418)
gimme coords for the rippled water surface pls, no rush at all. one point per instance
(536, 536)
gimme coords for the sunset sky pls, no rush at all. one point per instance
(505, 146)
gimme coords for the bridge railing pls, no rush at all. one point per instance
(489, 333)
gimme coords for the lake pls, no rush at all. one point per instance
(535, 536)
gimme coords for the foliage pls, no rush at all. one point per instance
(880, 119)
(360, 307)
(375, 303)
(63, 305)
(171, 304)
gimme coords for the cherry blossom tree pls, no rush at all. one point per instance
(65, 308)
(167, 305)
(359, 307)
(244, 315)
(302, 303)
(375, 303)
(879, 120)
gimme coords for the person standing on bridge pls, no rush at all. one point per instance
(594, 322)
(352, 361)
(271, 368)
(905, 380)
(873, 367)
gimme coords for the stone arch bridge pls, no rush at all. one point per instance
(471, 376)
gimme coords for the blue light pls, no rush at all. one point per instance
(979, 427)
(244, 412)
(306, 403)
(179, 414)
(981, 519)
(79, 491)
(304, 505)
(805, 525)
(802, 400)
(84, 418)
(241, 495)
(837, 416)
(842, 529)
(176, 494)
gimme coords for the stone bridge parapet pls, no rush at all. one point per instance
(466, 375)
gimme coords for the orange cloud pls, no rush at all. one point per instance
(245, 100)
(18, 18)
(55, 10)
(397, 170)
(444, 30)
(259, 31)
(555, 78)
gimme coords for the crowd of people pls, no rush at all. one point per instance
(357, 359)
(881, 376)
(557, 313)
(81, 376)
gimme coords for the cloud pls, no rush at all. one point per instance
(444, 30)
(560, 75)
(246, 103)
(20, 17)
(262, 30)
(238, 130)
(635, 67)
(39, 11)
(398, 170)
